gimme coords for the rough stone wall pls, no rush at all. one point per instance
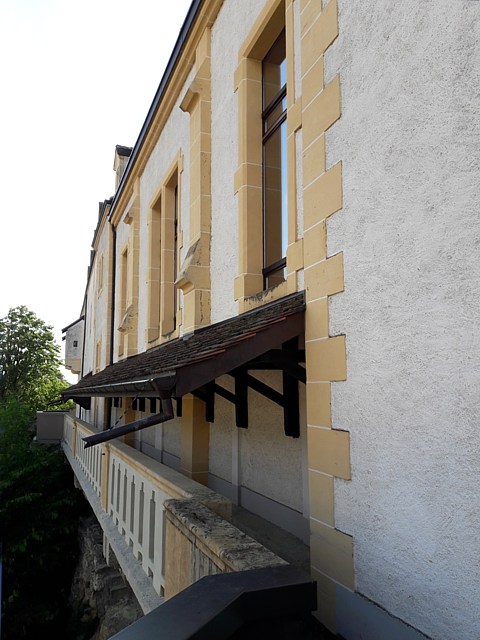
(101, 600)
(408, 139)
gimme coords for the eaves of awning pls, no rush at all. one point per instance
(264, 338)
(185, 364)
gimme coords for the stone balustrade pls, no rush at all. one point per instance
(176, 529)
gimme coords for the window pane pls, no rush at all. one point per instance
(274, 70)
(275, 278)
(274, 115)
(275, 195)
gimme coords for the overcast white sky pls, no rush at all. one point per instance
(76, 78)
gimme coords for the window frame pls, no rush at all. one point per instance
(249, 286)
(164, 241)
(269, 269)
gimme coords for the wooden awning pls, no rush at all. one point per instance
(265, 338)
(185, 364)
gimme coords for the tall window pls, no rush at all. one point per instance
(100, 275)
(163, 232)
(123, 300)
(168, 310)
(175, 252)
(124, 279)
(274, 139)
(98, 355)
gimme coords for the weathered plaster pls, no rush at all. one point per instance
(408, 139)
(171, 436)
(220, 454)
(270, 461)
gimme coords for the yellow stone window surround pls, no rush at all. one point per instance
(164, 242)
(122, 299)
(98, 355)
(194, 275)
(276, 16)
(100, 276)
(127, 302)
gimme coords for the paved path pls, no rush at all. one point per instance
(290, 548)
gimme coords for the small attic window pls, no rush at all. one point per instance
(75, 343)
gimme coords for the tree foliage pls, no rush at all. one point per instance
(39, 511)
(29, 360)
(39, 507)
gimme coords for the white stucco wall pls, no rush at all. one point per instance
(171, 437)
(96, 308)
(270, 463)
(221, 434)
(73, 354)
(89, 349)
(175, 138)
(261, 459)
(409, 141)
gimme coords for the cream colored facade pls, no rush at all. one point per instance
(179, 247)
(74, 346)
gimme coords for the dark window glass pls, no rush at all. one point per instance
(274, 120)
(175, 250)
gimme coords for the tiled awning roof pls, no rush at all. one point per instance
(186, 364)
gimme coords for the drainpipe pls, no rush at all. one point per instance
(137, 425)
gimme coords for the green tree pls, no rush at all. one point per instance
(29, 360)
(39, 511)
(39, 507)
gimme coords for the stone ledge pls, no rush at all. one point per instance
(228, 547)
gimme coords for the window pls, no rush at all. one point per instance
(261, 179)
(98, 355)
(163, 244)
(100, 275)
(153, 274)
(173, 186)
(124, 280)
(274, 163)
(122, 327)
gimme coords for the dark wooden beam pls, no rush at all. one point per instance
(83, 402)
(207, 395)
(210, 402)
(297, 372)
(179, 407)
(291, 408)
(241, 399)
(265, 390)
(279, 356)
(225, 393)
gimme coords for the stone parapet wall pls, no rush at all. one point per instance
(200, 543)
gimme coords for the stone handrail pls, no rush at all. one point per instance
(132, 489)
